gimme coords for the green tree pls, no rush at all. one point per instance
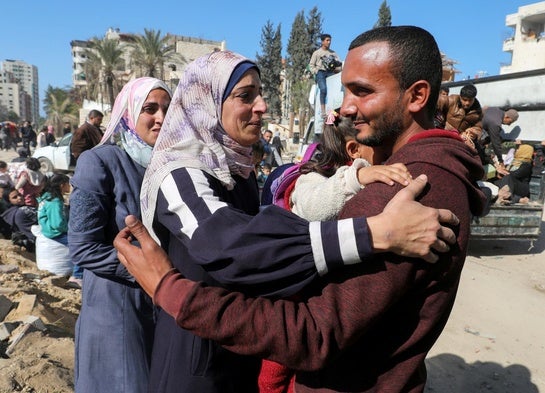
(151, 52)
(384, 16)
(301, 44)
(59, 107)
(314, 28)
(270, 64)
(104, 56)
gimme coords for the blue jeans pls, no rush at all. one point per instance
(322, 85)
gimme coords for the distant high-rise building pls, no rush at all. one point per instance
(10, 93)
(26, 77)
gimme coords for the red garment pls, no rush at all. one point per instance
(275, 378)
(30, 191)
(367, 327)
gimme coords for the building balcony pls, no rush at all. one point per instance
(509, 44)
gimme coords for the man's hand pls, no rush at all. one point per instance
(147, 264)
(408, 228)
(501, 169)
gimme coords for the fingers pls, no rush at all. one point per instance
(136, 227)
(448, 217)
(447, 236)
(412, 190)
(387, 174)
(430, 257)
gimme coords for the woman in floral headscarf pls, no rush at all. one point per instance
(114, 332)
(200, 200)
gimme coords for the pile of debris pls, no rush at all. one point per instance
(38, 312)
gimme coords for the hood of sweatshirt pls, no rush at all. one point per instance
(465, 162)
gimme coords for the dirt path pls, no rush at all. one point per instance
(495, 338)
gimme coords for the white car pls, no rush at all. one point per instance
(55, 157)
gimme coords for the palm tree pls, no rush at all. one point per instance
(60, 112)
(151, 52)
(59, 108)
(106, 56)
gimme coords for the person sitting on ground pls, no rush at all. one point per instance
(514, 182)
(53, 219)
(30, 181)
(20, 218)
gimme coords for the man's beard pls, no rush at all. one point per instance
(387, 129)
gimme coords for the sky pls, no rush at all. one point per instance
(37, 32)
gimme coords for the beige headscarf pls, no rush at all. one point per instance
(523, 154)
(192, 135)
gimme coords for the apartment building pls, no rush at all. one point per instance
(527, 43)
(188, 48)
(19, 89)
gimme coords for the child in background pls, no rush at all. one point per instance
(53, 218)
(30, 181)
(341, 167)
(52, 212)
(264, 173)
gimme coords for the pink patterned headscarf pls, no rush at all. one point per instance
(128, 104)
(192, 135)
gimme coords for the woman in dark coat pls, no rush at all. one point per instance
(114, 331)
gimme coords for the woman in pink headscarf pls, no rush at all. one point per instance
(115, 328)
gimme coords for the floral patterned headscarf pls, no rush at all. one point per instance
(192, 135)
(127, 108)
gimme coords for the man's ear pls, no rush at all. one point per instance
(419, 93)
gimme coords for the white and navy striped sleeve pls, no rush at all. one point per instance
(274, 252)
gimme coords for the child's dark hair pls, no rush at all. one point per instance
(332, 150)
(54, 184)
(32, 163)
(3, 164)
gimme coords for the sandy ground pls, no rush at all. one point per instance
(493, 342)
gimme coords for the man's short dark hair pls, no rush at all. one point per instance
(95, 113)
(324, 36)
(415, 56)
(468, 91)
(445, 89)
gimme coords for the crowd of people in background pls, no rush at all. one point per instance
(508, 162)
(25, 190)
